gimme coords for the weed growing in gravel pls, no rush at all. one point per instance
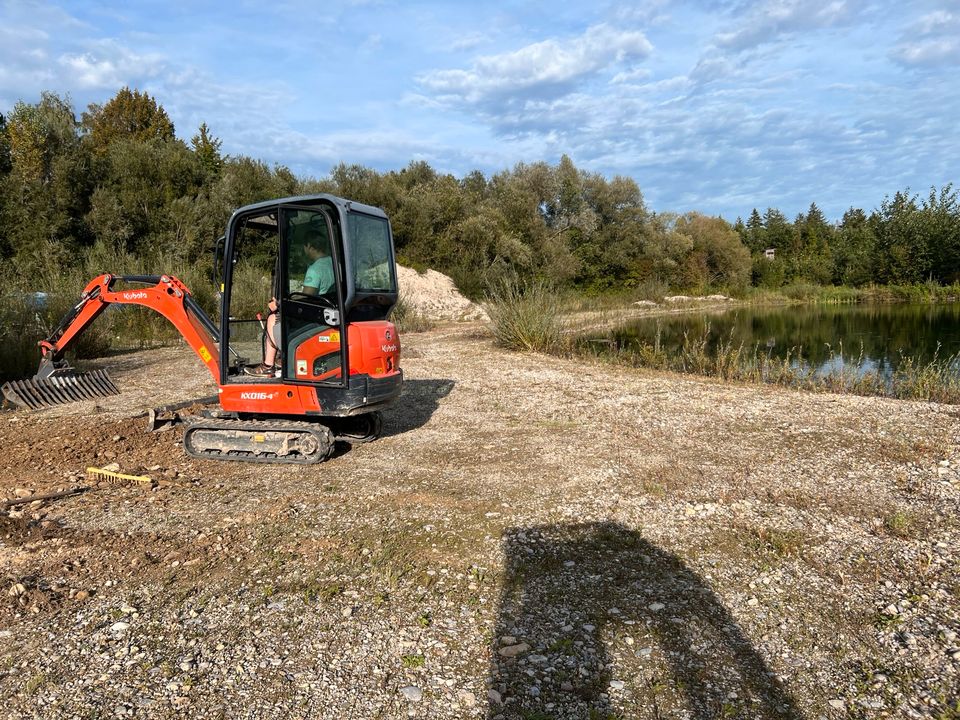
(539, 715)
(785, 543)
(408, 319)
(563, 646)
(951, 711)
(900, 524)
(35, 683)
(411, 662)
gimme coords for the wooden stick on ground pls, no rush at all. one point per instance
(47, 496)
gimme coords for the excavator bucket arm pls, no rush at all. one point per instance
(56, 382)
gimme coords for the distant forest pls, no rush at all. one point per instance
(117, 184)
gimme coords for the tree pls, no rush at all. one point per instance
(811, 259)
(854, 248)
(207, 149)
(131, 207)
(756, 233)
(717, 257)
(5, 161)
(48, 186)
(664, 250)
(902, 247)
(778, 230)
(940, 220)
(622, 228)
(129, 115)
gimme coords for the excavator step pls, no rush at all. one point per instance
(59, 389)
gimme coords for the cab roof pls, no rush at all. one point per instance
(342, 203)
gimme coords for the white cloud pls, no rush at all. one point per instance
(767, 21)
(637, 75)
(933, 40)
(551, 67)
(108, 65)
(468, 41)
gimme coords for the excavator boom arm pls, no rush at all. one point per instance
(167, 295)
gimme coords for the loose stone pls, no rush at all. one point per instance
(412, 693)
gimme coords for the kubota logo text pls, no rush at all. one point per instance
(134, 295)
(256, 396)
(388, 348)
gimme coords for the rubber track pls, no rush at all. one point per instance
(322, 434)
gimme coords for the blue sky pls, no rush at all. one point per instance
(713, 106)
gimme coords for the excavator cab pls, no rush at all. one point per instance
(329, 263)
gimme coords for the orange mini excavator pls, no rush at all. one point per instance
(329, 265)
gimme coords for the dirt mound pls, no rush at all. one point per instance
(434, 295)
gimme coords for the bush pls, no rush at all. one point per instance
(408, 319)
(525, 316)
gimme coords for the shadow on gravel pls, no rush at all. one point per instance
(574, 593)
(419, 401)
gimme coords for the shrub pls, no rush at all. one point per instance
(408, 319)
(525, 316)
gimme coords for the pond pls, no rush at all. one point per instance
(872, 337)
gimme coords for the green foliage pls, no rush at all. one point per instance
(717, 257)
(525, 316)
(412, 662)
(207, 150)
(119, 190)
(129, 115)
(5, 161)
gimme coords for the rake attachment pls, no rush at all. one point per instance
(63, 386)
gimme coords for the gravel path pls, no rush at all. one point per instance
(533, 538)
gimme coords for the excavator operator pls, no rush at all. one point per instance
(318, 280)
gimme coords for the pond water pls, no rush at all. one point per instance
(874, 337)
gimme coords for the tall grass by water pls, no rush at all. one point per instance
(930, 292)
(529, 317)
(936, 379)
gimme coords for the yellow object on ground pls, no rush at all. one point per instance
(95, 474)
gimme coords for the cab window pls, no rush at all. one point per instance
(372, 269)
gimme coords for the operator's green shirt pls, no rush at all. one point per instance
(320, 275)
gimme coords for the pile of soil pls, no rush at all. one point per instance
(435, 296)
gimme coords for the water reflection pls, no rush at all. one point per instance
(874, 337)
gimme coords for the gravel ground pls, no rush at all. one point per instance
(533, 538)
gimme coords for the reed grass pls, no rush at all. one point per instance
(526, 316)
(408, 319)
(930, 292)
(936, 379)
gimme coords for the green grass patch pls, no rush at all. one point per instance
(411, 662)
(901, 524)
(782, 542)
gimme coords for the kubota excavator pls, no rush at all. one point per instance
(329, 263)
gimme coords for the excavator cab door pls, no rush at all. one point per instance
(312, 335)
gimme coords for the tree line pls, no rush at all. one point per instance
(117, 182)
